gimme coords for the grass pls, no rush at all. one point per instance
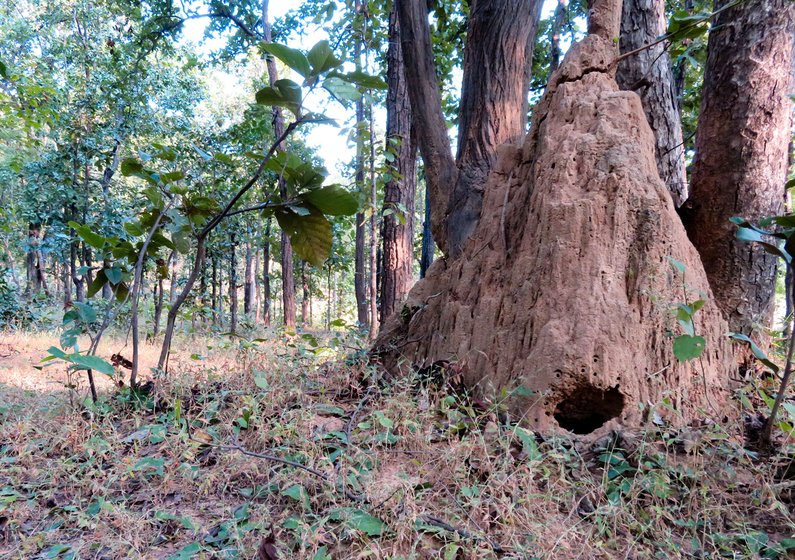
(385, 470)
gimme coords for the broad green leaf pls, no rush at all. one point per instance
(363, 521)
(341, 90)
(285, 93)
(293, 58)
(309, 235)
(171, 177)
(96, 285)
(687, 347)
(131, 166)
(93, 239)
(333, 200)
(92, 362)
(58, 353)
(86, 313)
(364, 80)
(113, 274)
(322, 58)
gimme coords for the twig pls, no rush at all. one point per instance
(442, 524)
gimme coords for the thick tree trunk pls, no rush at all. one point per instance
(497, 68)
(741, 152)
(497, 64)
(288, 280)
(565, 289)
(400, 191)
(649, 74)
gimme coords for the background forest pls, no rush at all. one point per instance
(211, 212)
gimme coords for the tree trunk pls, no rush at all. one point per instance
(248, 285)
(266, 275)
(741, 153)
(399, 192)
(233, 286)
(288, 281)
(428, 245)
(649, 74)
(158, 297)
(304, 297)
(561, 299)
(215, 290)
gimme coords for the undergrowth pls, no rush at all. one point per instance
(278, 455)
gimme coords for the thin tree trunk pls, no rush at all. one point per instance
(741, 152)
(400, 191)
(329, 298)
(649, 73)
(428, 244)
(158, 307)
(373, 291)
(288, 281)
(266, 275)
(215, 291)
(554, 35)
(359, 274)
(305, 297)
(233, 286)
(248, 283)
(172, 294)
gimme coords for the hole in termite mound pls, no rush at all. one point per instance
(587, 408)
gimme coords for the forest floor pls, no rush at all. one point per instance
(292, 449)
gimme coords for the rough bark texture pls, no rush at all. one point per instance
(497, 67)
(650, 75)
(399, 193)
(233, 285)
(266, 275)
(741, 152)
(428, 245)
(426, 103)
(565, 288)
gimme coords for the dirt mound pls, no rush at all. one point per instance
(566, 287)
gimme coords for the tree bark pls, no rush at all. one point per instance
(428, 245)
(304, 297)
(248, 285)
(400, 191)
(741, 152)
(288, 280)
(649, 73)
(498, 61)
(266, 275)
(233, 286)
(497, 64)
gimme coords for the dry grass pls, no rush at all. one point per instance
(401, 472)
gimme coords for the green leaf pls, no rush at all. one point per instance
(333, 200)
(131, 166)
(687, 347)
(96, 285)
(755, 350)
(113, 274)
(293, 58)
(363, 80)
(285, 93)
(341, 90)
(92, 362)
(322, 58)
(93, 239)
(309, 235)
(363, 521)
(58, 353)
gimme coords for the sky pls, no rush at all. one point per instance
(330, 143)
